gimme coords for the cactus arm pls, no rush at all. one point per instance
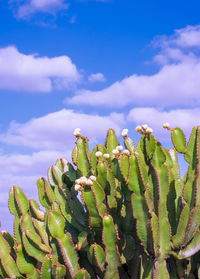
(111, 198)
(83, 162)
(18, 202)
(129, 144)
(90, 202)
(82, 274)
(178, 139)
(191, 248)
(33, 246)
(78, 220)
(46, 194)
(25, 263)
(178, 238)
(82, 240)
(56, 225)
(111, 142)
(36, 212)
(98, 256)
(40, 229)
(124, 166)
(110, 238)
(160, 270)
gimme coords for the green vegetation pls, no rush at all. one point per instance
(138, 218)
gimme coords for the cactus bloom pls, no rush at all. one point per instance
(106, 156)
(119, 148)
(77, 132)
(149, 131)
(126, 152)
(125, 133)
(78, 187)
(166, 125)
(98, 154)
(138, 128)
(115, 151)
(93, 178)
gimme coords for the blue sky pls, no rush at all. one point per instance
(93, 65)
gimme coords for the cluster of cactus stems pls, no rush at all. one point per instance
(111, 214)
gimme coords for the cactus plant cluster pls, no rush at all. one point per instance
(113, 213)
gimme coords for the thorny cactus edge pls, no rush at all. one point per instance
(137, 217)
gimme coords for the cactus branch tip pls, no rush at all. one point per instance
(166, 125)
(98, 154)
(126, 152)
(77, 132)
(119, 148)
(138, 128)
(124, 132)
(93, 178)
(115, 151)
(106, 156)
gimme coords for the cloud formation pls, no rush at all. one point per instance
(29, 7)
(55, 130)
(184, 118)
(98, 77)
(176, 83)
(31, 73)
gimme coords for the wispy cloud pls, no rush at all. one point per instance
(98, 77)
(27, 8)
(176, 83)
(31, 73)
(55, 130)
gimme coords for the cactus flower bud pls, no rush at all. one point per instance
(138, 129)
(77, 132)
(144, 127)
(166, 125)
(78, 181)
(93, 178)
(125, 133)
(98, 154)
(149, 131)
(78, 187)
(115, 152)
(83, 180)
(126, 152)
(89, 182)
(119, 148)
(106, 156)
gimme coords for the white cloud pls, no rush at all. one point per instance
(55, 130)
(177, 82)
(31, 73)
(185, 38)
(35, 163)
(27, 8)
(183, 118)
(98, 77)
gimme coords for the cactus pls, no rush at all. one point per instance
(135, 217)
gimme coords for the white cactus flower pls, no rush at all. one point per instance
(83, 180)
(77, 132)
(98, 154)
(166, 125)
(138, 128)
(78, 187)
(126, 152)
(149, 131)
(144, 127)
(93, 178)
(119, 148)
(115, 152)
(78, 181)
(106, 156)
(89, 182)
(125, 133)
